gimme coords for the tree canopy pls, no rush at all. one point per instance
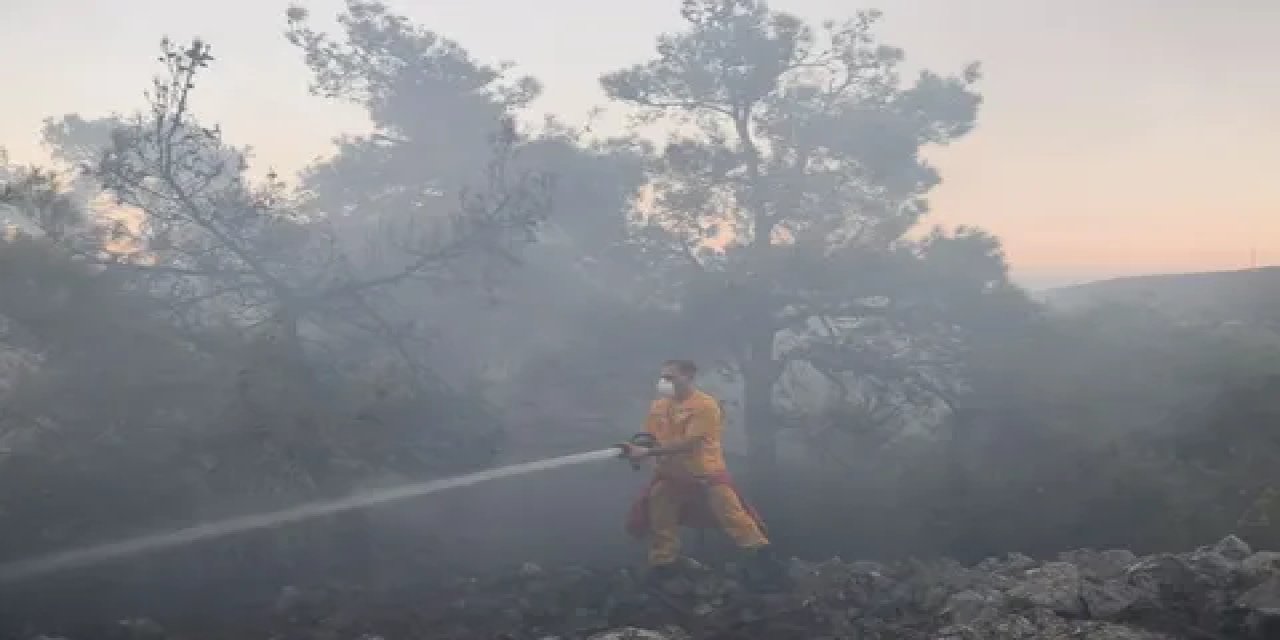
(782, 205)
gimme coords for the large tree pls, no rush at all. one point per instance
(434, 109)
(782, 204)
(305, 383)
(229, 258)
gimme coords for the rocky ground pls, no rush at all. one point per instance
(1225, 591)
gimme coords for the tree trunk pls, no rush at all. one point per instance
(759, 421)
(294, 355)
(759, 370)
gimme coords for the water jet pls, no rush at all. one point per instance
(85, 556)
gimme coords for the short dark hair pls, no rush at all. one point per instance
(685, 367)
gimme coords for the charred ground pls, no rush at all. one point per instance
(1224, 591)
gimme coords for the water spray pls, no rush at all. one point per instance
(85, 556)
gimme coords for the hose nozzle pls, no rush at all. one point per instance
(646, 440)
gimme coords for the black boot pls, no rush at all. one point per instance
(670, 579)
(765, 570)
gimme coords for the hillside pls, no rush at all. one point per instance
(1249, 296)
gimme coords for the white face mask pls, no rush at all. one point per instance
(666, 388)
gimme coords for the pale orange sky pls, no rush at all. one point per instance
(1117, 137)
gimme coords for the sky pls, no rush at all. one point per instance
(1117, 137)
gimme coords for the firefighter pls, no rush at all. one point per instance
(691, 485)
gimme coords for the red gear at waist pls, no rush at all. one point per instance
(694, 512)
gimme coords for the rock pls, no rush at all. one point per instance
(1164, 573)
(1120, 557)
(1233, 548)
(1019, 562)
(1188, 590)
(1263, 600)
(1096, 631)
(1219, 591)
(1100, 565)
(1213, 568)
(1044, 625)
(1259, 566)
(630, 633)
(1113, 599)
(969, 607)
(1056, 586)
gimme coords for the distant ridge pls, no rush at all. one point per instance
(1247, 295)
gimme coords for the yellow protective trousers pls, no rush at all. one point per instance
(667, 501)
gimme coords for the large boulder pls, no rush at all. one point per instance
(1259, 566)
(1259, 608)
(1115, 599)
(1233, 548)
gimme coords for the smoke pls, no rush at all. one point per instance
(190, 337)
